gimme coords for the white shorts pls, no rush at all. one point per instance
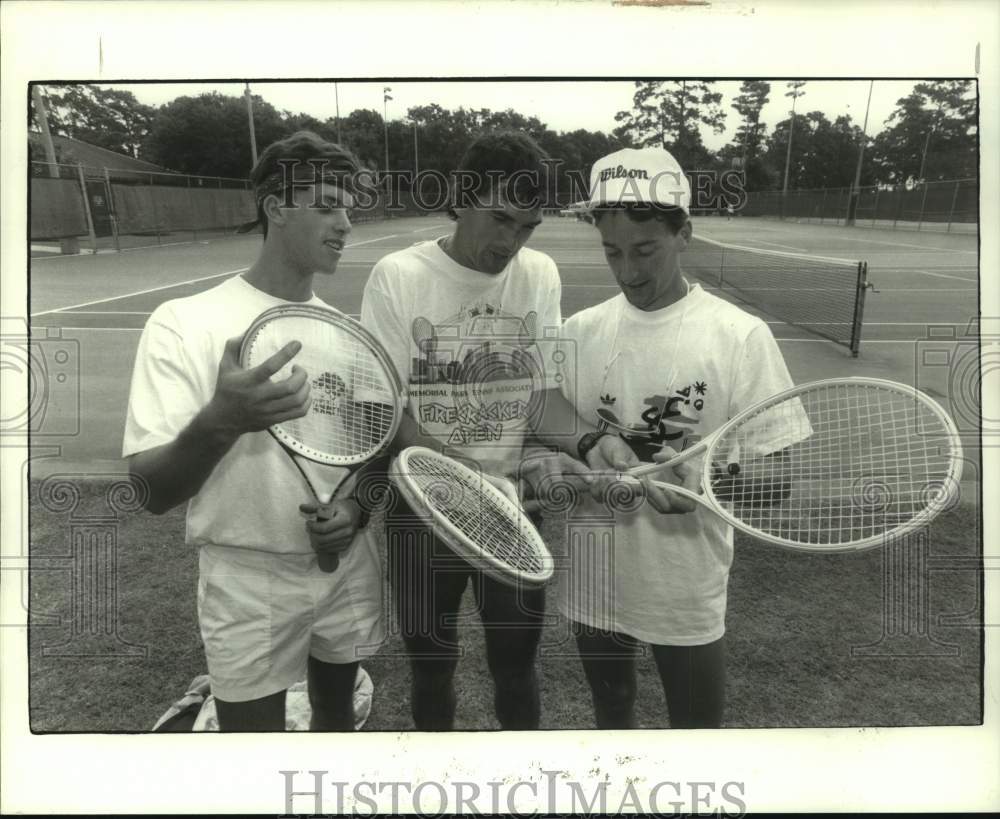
(262, 615)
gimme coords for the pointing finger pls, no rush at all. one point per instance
(264, 370)
(231, 352)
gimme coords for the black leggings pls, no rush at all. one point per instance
(693, 677)
(428, 581)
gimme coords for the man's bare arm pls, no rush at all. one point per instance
(244, 401)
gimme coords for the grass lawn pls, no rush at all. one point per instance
(792, 622)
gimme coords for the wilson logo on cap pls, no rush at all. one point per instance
(638, 175)
(623, 173)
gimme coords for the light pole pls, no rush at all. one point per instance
(68, 245)
(253, 135)
(416, 153)
(336, 99)
(386, 96)
(852, 209)
(43, 124)
(923, 156)
(795, 93)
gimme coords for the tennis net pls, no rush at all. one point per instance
(822, 295)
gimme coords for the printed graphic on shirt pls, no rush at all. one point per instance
(670, 419)
(474, 374)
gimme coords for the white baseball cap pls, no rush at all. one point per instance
(639, 175)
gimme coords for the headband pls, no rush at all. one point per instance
(302, 174)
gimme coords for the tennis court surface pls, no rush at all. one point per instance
(919, 320)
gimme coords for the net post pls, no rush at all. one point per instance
(859, 308)
(923, 204)
(875, 207)
(86, 208)
(113, 210)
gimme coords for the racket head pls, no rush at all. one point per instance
(356, 393)
(863, 462)
(475, 518)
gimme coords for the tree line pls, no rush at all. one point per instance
(931, 134)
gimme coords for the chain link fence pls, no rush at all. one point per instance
(113, 208)
(109, 209)
(950, 206)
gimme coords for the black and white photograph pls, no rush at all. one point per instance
(603, 433)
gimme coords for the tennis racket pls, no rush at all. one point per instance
(356, 397)
(830, 466)
(479, 521)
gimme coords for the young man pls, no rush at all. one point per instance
(665, 364)
(465, 318)
(196, 433)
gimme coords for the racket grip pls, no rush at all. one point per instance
(328, 561)
(680, 490)
(645, 469)
(653, 468)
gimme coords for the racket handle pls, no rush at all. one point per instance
(680, 457)
(328, 561)
(680, 490)
(647, 469)
(698, 497)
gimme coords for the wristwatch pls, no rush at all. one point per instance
(587, 443)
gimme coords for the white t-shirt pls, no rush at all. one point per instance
(251, 498)
(660, 578)
(470, 347)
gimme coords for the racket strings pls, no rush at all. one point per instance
(840, 463)
(353, 407)
(480, 517)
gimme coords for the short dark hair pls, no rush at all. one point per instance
(303, 146)
(499, 156)
(672, 216)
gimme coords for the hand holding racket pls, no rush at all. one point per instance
(332, 526)
(608, 460)
(836, 465)
(544, 477)
(688, 477)
(356, 396)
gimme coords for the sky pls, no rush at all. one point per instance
(562, 105)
